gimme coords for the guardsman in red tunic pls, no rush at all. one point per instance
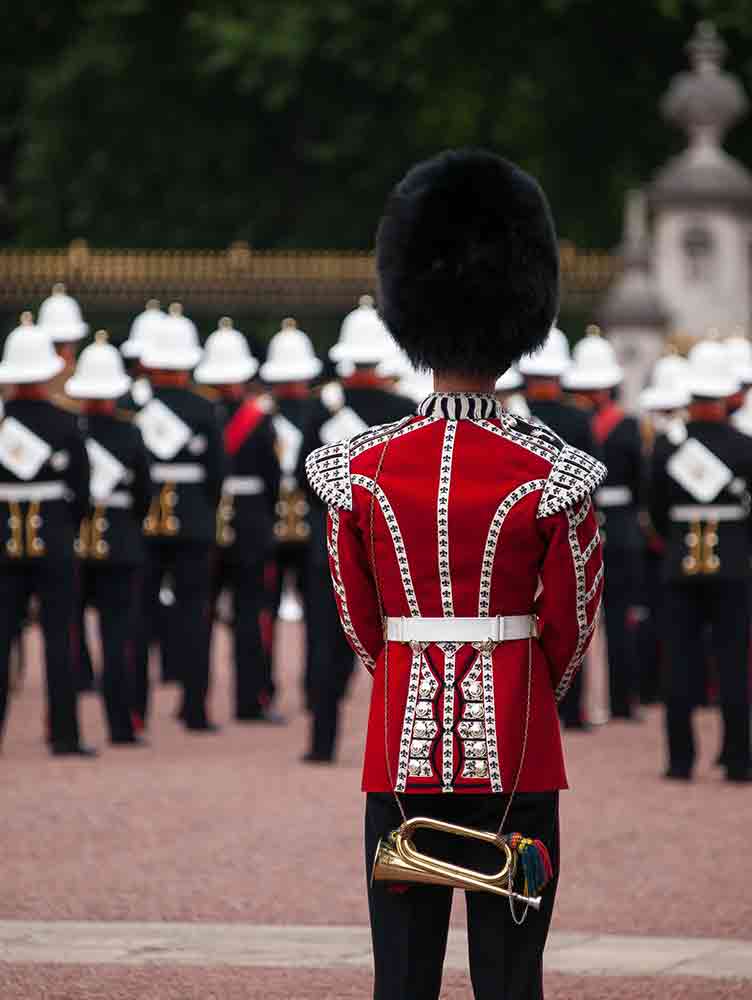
(466, 565)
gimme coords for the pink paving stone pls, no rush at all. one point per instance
(49, 982)
(232, 827)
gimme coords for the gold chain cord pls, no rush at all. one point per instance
(382, 617)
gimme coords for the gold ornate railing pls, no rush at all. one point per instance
(242, 277)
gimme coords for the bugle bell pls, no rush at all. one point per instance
(398, 860)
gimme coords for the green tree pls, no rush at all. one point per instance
(284, 122)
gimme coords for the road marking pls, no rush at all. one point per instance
(319, 947)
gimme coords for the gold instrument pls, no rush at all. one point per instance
(397, 860)
(225, 513)
(24, 538)
(161, 519)
(98, 548)
(291, 509)
(701, 541)
(14, 546)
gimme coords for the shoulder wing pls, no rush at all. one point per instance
(328, 471)
(574, 475)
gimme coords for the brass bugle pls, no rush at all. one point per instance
(397, 860)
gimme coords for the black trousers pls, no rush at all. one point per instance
(691, 607)
(292, 561)
(54, 583)
(113, 591)
(621, 593)
(409, 929)
(330, 663)
(187, 643)
(245, 582)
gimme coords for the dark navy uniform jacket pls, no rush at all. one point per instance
(49, 504)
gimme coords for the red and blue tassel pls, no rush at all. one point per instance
(534, 860)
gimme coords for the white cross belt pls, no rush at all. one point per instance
(613, 496)
(501, 628)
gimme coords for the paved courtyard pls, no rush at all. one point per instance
(220, 866)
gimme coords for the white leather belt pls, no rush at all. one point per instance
(502, 628)
(32, 492)
(178, 472)
(119, 500)
(688, 512)
(613, 496)
(243, 486)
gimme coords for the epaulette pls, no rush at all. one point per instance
(127, 416)
(204, 391)
(574, 475)
(328, 471)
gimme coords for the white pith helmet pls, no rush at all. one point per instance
(594, 364)
(29, 355)
(363, 336)
(60, 316)
(710, 374)
(290, 356)
(175, 345)
(668, 385)
(551, 360)
(510, 380)
(99, 372)
(227, 358)
(143, 327)
(739, 351)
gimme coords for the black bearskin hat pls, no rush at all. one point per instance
(468, 263)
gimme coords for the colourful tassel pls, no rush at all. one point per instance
(534, 860)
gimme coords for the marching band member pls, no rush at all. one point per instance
(60, 317)
(362, 401)
(466, 566)
(699, 503)
(290, 367)
(44, 490)
(245, 516)
(542, 372)
(594, 376)
(187, 465)
(144, 327)
(110, 545)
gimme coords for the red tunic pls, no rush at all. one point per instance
(477, 514)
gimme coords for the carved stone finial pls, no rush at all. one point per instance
(706, 101)
(289, 323)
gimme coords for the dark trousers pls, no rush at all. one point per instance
(621, 594)
(723, 605)
(113, 591)
(292, 562)
(409, 929)
(330, 663)
(54, 584)
(187, 644)
(245, 582)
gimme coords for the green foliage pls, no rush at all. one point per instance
(285, 122)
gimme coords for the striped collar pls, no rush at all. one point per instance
(460, 406)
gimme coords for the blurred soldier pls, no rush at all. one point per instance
(699, 502)
(663, 411)
(245, 516)
(44, 489)
(739, 353)
(544, 398)
(362, 402)
(594, 376)
(185, 448)
(144, 327)
(60, 318)
(110, 543)
(288, 371)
